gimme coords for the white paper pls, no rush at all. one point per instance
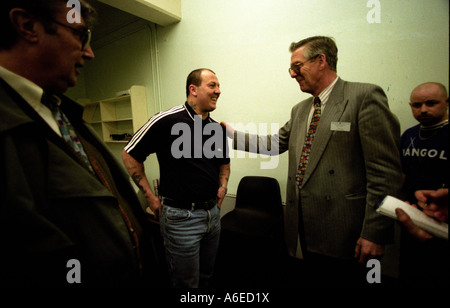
(388, 205)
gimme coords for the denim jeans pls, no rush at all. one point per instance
(191, 241)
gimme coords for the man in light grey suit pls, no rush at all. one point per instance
(354, 161)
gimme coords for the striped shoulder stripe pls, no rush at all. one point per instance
(143, 130)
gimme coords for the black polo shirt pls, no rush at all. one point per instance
(189, 150)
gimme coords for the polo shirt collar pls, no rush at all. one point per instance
(192, 113)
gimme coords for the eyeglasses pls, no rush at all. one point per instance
(85, 34)
(297, 66)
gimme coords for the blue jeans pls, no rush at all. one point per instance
(191, 241)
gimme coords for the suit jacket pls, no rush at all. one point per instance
(351, 166)
(54, 210)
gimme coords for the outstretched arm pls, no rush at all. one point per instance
(274, 144)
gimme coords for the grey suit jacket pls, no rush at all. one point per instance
(354, 161)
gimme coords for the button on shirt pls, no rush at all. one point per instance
(32, 94)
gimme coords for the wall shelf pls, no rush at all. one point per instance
(118, 115)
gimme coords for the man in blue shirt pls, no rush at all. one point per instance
(425, 146)
(425, 167)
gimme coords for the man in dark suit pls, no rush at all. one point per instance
(69, 215)
(353, 160)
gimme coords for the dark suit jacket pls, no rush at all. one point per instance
(53, 209)
(349, 170)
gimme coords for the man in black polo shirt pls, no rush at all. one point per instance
(194, 171)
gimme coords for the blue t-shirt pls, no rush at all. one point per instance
(424, 158)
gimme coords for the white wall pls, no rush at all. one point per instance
(122, 58)
(246, 43)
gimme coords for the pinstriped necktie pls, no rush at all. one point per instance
(65, 127)
(304, 157)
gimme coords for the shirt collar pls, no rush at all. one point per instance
(325, 94)
(29, 91)
(192, 113)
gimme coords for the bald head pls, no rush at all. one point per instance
(436, 87)
(429, 103)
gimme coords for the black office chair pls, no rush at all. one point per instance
(252, 239)
(258, 211)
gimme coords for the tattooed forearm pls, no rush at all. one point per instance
(224, 173)
(137, 180)
(223, 176)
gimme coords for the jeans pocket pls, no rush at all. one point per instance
(176, 215)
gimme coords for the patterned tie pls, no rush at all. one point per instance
(65, 127)
(304, 157)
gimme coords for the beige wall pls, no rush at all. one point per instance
(246, 43)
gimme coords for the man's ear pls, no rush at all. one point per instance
(25, 24)
(323, 60)
(193, 90)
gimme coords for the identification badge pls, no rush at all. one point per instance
(340, 126)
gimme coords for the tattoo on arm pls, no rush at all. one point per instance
(137, 180)
(222, 176)
(225, 174)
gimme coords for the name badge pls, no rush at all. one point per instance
(340, 126)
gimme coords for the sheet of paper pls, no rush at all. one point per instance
(388, 205)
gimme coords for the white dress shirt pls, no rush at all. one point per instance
(32, 94)
(324, 95)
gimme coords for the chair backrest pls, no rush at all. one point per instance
(260, 193)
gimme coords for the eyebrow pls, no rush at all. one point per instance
(427, 101)
(431, 101)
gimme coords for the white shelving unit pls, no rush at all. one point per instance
(120, 115)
